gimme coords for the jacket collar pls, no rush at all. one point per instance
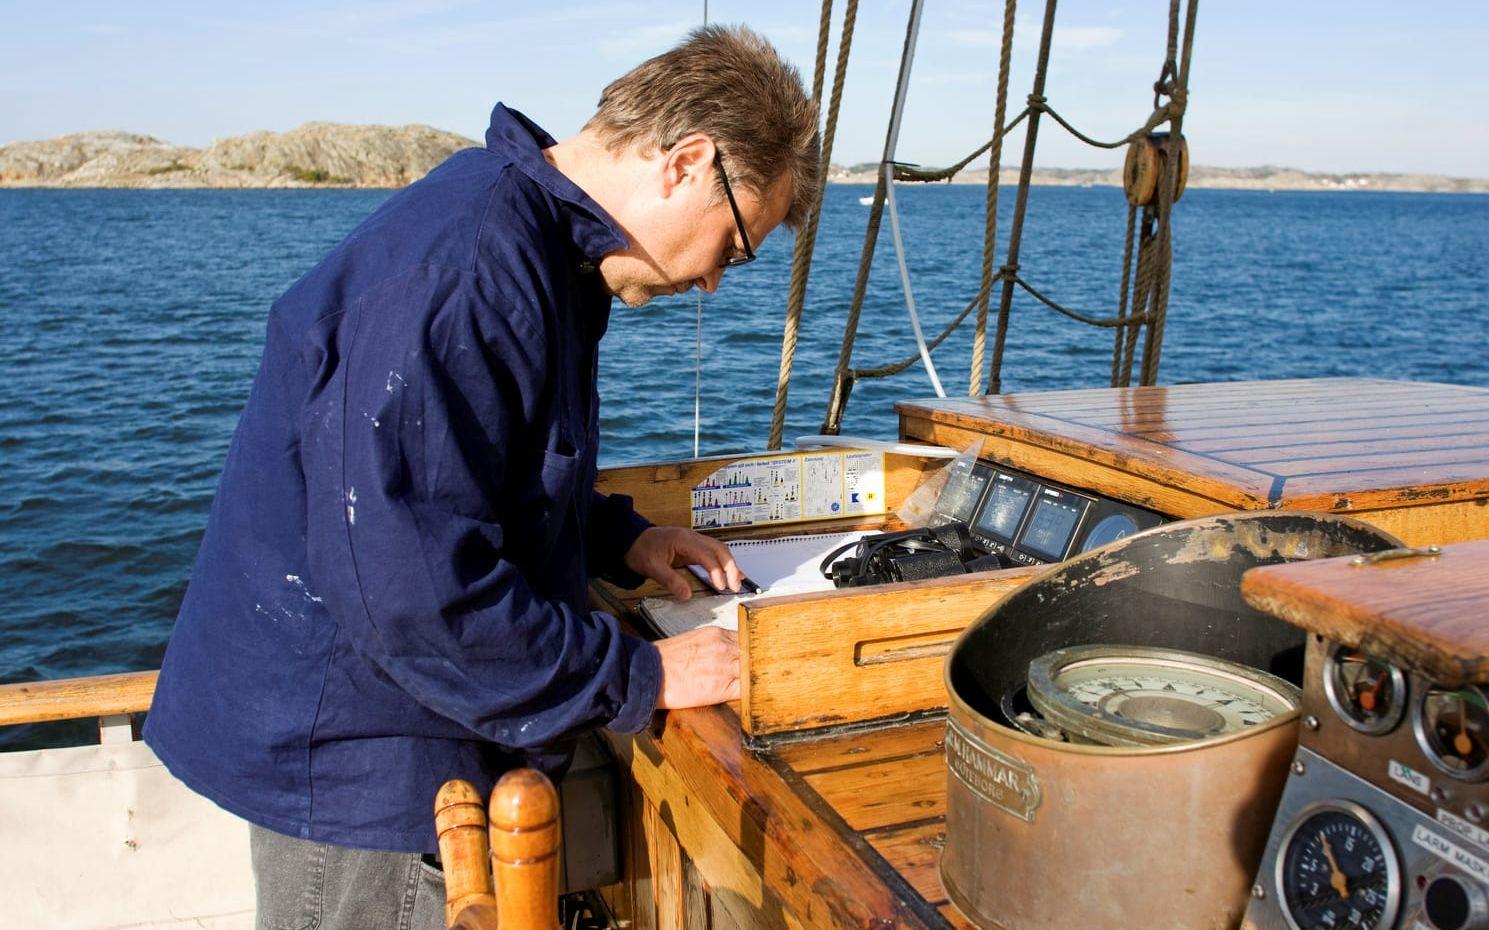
(515, 136)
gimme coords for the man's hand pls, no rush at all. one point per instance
(699, 667)
(660, 551)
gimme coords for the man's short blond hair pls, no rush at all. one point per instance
(730, 84)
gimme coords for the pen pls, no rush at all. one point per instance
(746, 586)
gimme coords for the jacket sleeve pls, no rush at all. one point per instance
(415, 453)
(614, 525)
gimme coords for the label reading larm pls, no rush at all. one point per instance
(1450, 852)
(1410, 777)
(1463, 828)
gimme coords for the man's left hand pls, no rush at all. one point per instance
(660, 551)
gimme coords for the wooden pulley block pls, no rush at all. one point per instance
(1145, 165)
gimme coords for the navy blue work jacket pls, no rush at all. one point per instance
(391, 591)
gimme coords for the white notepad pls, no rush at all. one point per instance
(784, 565)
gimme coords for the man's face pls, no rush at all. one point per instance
(680, 235)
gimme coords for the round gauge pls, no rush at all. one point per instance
(1367, 693)
(1145, 695)
(1108, 530)
(1452, 726)
(1338, 870)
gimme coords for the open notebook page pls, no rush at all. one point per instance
(784, 565)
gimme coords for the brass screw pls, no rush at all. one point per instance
(1311, 722)
(1258, 892)
(1299, 768)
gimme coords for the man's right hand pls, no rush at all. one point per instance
(699, 667)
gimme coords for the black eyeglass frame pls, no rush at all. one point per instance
(733, 261)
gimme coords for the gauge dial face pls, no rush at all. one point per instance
(1338, 870)
(1111, 528)
(1367, 693)
(1121, 695)
(1452, 726)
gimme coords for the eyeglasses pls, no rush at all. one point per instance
(732, 261)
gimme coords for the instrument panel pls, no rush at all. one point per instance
(1385, 819)
(1033, 521)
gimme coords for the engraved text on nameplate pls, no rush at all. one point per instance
(994, 776)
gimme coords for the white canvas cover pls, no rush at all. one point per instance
(95, 837)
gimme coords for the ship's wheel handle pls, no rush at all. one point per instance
(500, 869)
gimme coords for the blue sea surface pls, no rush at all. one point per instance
(133, 323)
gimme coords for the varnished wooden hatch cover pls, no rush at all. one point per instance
(1326, 444)
(1430, 613)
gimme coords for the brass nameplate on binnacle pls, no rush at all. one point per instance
(994, 776)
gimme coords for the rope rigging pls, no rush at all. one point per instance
(1155, 161)
(806, 240)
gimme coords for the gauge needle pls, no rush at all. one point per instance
(1368, 697)
(1462, 742)
(1336, 875)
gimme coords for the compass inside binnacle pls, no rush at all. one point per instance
(1147, 696)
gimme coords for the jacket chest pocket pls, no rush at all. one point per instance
(551, 502)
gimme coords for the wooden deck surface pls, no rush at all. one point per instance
(1331, 444)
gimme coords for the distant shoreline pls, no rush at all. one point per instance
(339, 156)
(1035, 182)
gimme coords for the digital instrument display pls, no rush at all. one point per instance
(1053, 523)
(962, 492)
(1030, 521)
(1005, 506)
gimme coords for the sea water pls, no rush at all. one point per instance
(131, 324)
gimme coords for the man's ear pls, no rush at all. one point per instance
(688, 164)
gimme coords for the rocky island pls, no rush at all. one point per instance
(339, 155)
(314, 155)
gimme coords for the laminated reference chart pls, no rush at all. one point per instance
(790, 488)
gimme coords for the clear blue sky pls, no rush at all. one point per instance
(1328, 86)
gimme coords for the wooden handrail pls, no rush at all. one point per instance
(72, 698)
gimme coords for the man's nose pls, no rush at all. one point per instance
(710, 281)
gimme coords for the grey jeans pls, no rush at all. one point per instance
(305, 885)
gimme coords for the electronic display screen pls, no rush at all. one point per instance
(962, 492)
(1005, 507)
(1053, 523)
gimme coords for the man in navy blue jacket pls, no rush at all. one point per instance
(391, 590)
